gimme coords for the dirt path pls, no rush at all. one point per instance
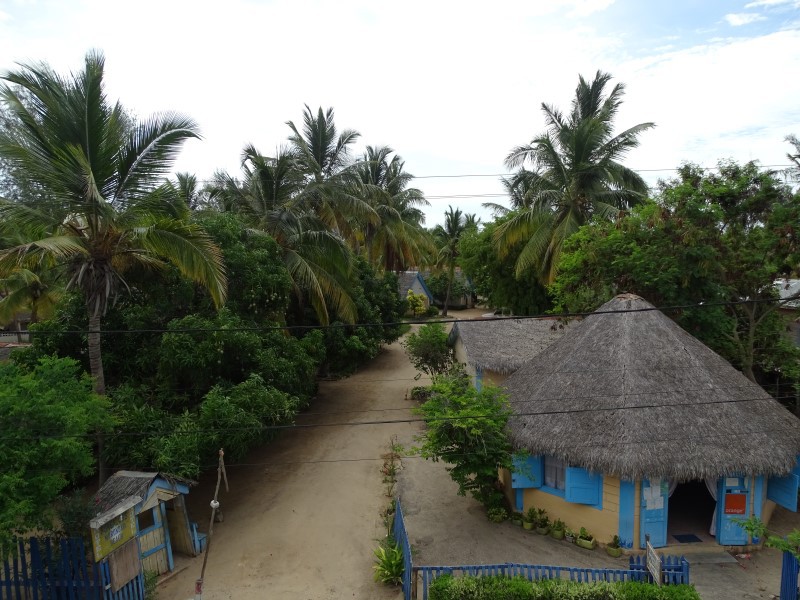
(303, 514)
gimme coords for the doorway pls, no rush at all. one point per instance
(691, 514)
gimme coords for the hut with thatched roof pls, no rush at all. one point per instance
(627, 409)
(160, 521)
(492, 349)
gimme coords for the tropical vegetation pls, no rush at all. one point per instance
(568, 175)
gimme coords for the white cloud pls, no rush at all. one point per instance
(452, 86)
(4, 16)
(760, 3)
(739, 19)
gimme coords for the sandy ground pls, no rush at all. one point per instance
(303, 514)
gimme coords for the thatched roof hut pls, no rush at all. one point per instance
(504, 345)
(632, 394)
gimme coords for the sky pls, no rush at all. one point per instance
(451, 86)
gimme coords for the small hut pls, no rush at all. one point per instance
(632, 427)
(162, 523)
(412, 280)
(491, 350)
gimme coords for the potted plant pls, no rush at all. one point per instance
(542, 522)
(517, 518)
(530, 519)
(557, 529)
(569, 535)
(613, 548)
(585, 539)
(497, 515)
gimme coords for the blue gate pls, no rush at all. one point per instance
(49, 569)
(789, 571)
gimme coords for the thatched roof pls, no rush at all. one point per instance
(125, 484)
(632, 394)
(504, 345)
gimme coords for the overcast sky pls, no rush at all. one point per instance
(451, 86)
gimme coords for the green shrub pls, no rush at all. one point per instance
(389, 565)
(519, 588)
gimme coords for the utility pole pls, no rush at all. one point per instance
(221, 474)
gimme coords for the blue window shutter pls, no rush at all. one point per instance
(583, 487)
(526, 471)
(783, 491)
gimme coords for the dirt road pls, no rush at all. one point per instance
(303, 513)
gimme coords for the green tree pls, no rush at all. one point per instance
(100, 218)
(494, 277)
(323, 158)
(575, 175)
(53, 412)
(465, 428)
(316, 257)
(415, 302)
(709, 237)
(428, 350)
(446, 237)
(398, 240)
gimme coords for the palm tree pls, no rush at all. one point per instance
(323, 158)
(575, 175)
(100, 217)
(398, 240)
(25, 290)
(447, 237)
(317, 259)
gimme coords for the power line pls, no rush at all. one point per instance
(266, 428)
(642, 170)
(551, 316)
(578, 444)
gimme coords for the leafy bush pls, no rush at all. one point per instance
(466, 428)
(497, 514)
(428, 349)
(389, 565)
(519, 588)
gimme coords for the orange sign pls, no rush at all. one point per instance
(735, 504)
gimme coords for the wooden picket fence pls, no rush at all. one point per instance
(46, 569)
(789, 576)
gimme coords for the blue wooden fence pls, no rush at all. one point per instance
(674, 569)
(59, 570)
(789, 571)
(401, 537)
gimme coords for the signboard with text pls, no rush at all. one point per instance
(113, 534)
(735, 504)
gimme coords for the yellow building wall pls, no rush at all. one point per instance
(602, 524)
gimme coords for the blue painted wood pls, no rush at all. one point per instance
(526, 471)
(789, 569)
(729, 531)
(758, 500)
(401, 537)
(170, 562)
(653, 521)
(627, 510)
(478, 379)
(583, 487)
(675, 571)
(783, 490)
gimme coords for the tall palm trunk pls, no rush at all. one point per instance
(96, 368)
(449, 287)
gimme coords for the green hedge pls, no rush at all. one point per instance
(519, 588)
